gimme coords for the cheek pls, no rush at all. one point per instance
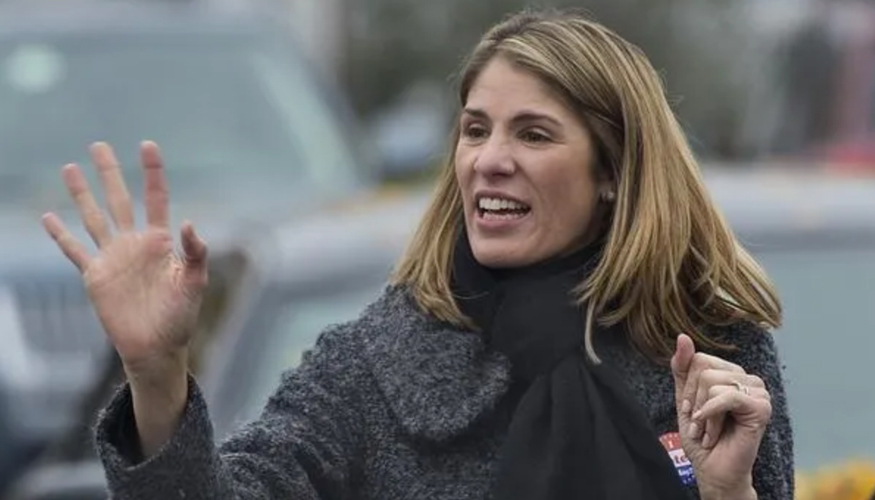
(463, 165)
(572, 204)
(464, 171)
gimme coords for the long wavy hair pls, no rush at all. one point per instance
(671, 263)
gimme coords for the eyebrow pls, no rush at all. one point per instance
(522, 116)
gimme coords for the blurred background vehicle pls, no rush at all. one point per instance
(814, 235)
(249, 131)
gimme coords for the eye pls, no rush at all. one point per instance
(534, 136)
(475, 132)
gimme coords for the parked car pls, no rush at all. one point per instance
(248, 130)
(815, 235)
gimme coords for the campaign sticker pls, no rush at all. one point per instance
(672, 443)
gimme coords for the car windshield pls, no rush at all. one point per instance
(827, 344)
(228, 109)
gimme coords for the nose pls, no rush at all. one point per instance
(495, 157)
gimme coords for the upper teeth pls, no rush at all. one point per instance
(500, 204)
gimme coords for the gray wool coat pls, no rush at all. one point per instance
(393, 405)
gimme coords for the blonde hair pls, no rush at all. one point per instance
(670, 264)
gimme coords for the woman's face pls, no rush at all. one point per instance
(524, 166)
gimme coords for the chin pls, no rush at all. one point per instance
(500, 254)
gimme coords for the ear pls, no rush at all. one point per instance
(607, 189)
(605, 180)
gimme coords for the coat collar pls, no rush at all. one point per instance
(438, 380)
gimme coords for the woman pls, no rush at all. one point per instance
(528, 345)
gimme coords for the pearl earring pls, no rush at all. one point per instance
(609, 196)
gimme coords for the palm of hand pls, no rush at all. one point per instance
(146, 297)
(136, 286)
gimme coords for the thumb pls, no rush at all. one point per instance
(194, 256)
(680, 364)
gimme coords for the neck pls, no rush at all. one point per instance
(578, 259)
(479, 290)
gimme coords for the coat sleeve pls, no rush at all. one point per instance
(774, 472)
(304, 445)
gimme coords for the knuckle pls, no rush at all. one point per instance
(755, 381)
(695, 364)
(703, 360)
(722, 364)
(714, 391)
(714, 376)
(766, 410)
(706, 377)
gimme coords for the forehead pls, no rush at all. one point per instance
(503, 86)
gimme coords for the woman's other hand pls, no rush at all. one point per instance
(722, 415)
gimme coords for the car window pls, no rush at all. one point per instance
(227, 109)
(827, 344)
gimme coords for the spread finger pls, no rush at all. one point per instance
(90, 213)
(118, 199)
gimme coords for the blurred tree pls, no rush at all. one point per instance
(695, 44)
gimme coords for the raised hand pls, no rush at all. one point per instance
(722, 415)
(147, 297)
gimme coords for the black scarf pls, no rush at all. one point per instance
(575, 432)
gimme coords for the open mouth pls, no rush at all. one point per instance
(501, 209)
